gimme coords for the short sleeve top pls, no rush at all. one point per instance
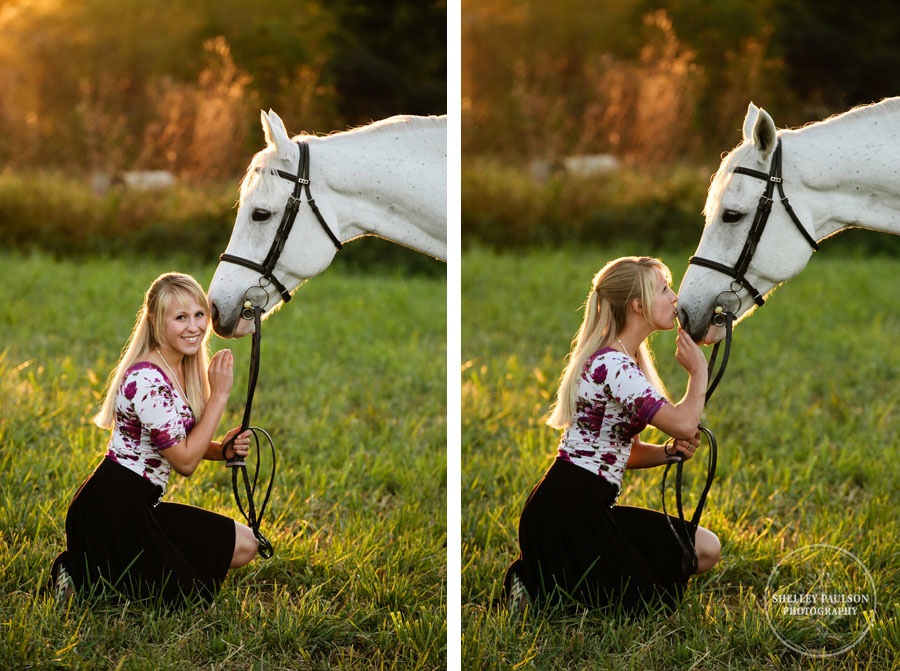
(615, 402)
(151, 416)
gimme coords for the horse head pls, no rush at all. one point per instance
(735, 265)
(269, 253)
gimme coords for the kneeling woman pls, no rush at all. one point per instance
(576, 544)
(163, 404)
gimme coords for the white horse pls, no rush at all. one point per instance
(836, 174)
(302, 198)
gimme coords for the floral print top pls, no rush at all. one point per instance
(615, 402)
(150, 417)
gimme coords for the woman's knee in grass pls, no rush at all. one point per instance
(245, 545)
(708, 549)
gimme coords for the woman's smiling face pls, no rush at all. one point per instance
(184, 326)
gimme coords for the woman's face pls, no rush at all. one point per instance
(664, 302)
(184, 325)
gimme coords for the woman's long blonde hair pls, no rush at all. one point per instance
(146, 337)
(614, 287)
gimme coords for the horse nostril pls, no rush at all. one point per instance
(214, 313)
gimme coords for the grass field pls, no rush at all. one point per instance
(353, 389)
(807, 424)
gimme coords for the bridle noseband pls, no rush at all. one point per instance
(739, 270)
(301, 183)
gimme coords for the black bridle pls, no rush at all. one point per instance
(739, 270)
(724, 316)
(301, 183)
(253, 308)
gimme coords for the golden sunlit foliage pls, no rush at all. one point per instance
(653, 81)
(546, 81)
(608, 117)
(103, 86)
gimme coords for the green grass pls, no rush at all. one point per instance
(807, 424)
(353, 389)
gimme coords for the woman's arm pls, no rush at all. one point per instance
(215, 452)
(645, 455)
(681, 419)
(186, 455)
(648, 455)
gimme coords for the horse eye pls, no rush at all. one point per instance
(730, 216)
(260, 215)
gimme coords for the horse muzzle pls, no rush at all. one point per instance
(689, 325)
(706, 329)
(226, 326)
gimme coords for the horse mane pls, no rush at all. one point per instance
(885, 106)
(390, 123)
(262, 161)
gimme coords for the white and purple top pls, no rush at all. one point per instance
(615, 402)
(150, 417)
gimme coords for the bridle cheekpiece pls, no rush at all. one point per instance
(763, 209)
(267, 267)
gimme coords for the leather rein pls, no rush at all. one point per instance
(250, 513)
(685, 531)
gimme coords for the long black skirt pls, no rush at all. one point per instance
(579, 548)
(119, 535)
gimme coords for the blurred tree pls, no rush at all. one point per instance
(100, 85)
(733, 42)
(529, 69)
(543, 79)
(270, 38)
(839, 56)
(389, 57)
(541, 82)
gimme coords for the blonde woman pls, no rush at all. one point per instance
(163, 405)
(576, 543)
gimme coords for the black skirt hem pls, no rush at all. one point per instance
(120, 536)
(578, 548)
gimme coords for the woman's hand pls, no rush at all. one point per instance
(686, 447)
(240, 446)
(683, 447)
(689, 354)
(221, 373)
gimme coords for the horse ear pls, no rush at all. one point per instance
(276, 134)
(764, 136)
(750, 121)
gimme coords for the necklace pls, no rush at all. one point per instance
(175, 377)
(621, 344)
